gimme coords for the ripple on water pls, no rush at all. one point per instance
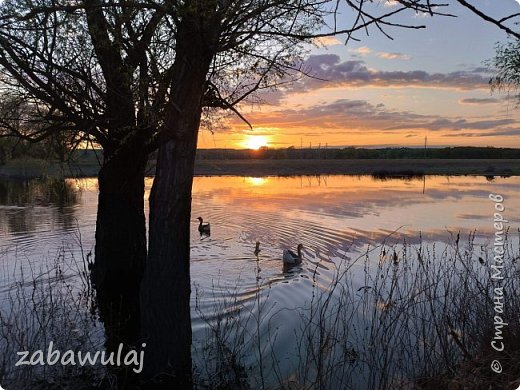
(334, 222)
(225, 269)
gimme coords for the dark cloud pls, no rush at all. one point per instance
(508, 132)
(271, 97)
(328, 70)
(479, 101)
(481, 69)
(344, 114)
(455, 124)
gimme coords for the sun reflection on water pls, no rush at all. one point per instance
(257, 181)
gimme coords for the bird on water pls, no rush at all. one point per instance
(289, 257)
(203, 226)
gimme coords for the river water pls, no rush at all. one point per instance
(336, 218)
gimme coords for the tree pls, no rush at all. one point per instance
(140, 81)
(206, 30)
(89, 73)
(18, 120)
(98, 75)
(503, 23)
(101, 72)
(507, 58)
(506, 63)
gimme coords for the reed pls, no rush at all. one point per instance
(52, 303)
(415, 317)
(400, 316)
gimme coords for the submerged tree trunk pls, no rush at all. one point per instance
(121, 249)
(120, 225)
(166, 284)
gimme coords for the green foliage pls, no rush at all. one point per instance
(50, 149)
(507, 65)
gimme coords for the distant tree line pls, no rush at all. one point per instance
(50, 149)
(138, 78)
(461, 152)
(54, 151)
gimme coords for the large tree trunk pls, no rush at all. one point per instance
(166, 284)
(120, 226)
(121, 248)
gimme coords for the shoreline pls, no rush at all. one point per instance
(298, 167)
(378, 167)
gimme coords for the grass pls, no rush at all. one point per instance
(398, 317)
(53, 302)
(417, 167)
(421, 318)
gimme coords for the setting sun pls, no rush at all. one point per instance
(255, 142)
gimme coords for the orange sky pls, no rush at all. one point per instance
(377, 92)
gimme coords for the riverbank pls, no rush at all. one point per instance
(292, 167)
(379, 167)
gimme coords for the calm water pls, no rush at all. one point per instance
(336, 218)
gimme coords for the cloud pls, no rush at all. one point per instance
(360, 115)
(272, 97)
(329, 71)
(327, 41)
(455, 124)
(363, 50)
(340, 114)
(390, 3)
(482, 69)
(507, 132)
(394, 56)
(478, 101)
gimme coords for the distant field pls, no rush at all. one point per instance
(387, 167)
(288, 167)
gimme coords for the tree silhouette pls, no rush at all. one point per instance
(207, 30)
(134, 76)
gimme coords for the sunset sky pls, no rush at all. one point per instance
(379, 92)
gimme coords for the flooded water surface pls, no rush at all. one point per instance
(336, 218)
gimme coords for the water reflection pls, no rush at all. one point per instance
(41, 192)
(256, 181)
(24, 205)
(403, 175)
(333, 216)
(336, 218)
(42, 219)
